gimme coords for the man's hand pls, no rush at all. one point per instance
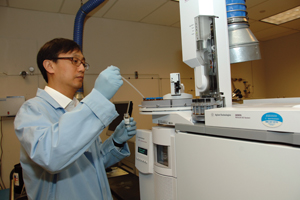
(124, 133)
(109, 81)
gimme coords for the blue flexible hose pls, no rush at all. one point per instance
(79, 22)
(236, 8)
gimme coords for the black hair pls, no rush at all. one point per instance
(52, 49)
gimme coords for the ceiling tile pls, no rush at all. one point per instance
(252, 3)
(295, 24)
(177, 24)
(102, 8)
(3, 3)
(278, 35)
(71, 6)
(273, 32)
(168, 14)
(165, 12)
(251, 21)
(271, 7)
(40, 5)
(257, 26)
(133, 10)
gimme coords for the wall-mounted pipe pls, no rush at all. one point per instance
(78, 29)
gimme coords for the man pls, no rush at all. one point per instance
(62, 155)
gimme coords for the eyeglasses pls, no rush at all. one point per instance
(75, 61)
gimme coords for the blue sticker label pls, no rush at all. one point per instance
(271, 120)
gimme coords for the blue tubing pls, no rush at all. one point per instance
(78, 27)
(231, 7)
(235, 1)
(236, 8)
(79, 21)
(236, 14)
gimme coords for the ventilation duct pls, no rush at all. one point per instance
(243, 45)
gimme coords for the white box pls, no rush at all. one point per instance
(10, 105)
(267, 114)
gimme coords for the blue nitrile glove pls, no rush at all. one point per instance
(124, 133)
(109, 81)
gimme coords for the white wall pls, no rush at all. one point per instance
(277, 73)
(154, 51)
(282, 65)
(254, 73)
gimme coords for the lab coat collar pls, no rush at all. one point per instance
(44, 95)
(61, 99)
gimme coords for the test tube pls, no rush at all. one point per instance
(126, 119)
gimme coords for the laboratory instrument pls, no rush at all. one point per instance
(220, 150)
(157, 170)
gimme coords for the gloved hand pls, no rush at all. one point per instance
(109, 81)
(123, 133)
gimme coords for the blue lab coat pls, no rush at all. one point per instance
(62, 155)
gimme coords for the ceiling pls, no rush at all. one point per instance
(166, 12)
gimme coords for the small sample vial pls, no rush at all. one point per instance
(126, 119)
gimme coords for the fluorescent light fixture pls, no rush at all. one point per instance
(284, 17)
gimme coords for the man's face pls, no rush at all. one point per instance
(68, 75)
